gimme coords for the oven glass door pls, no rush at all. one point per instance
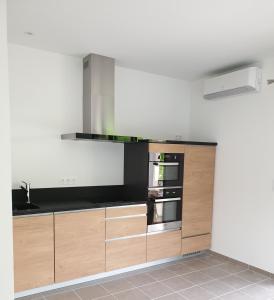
(164, 174)
(166, 211)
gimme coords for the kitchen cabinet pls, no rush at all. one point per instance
(127, 210)
(79, 244)
(199, 164)
(122, 253)
(33, 242)
(122, 227)
(125, 236)
(196, 243)
(162, 245)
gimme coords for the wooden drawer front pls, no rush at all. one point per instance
(125, 252)
(79, 244)
(166, 148)
(163, 245)
(196, 243)
(113, 212)
(116, 228)
(33, 244)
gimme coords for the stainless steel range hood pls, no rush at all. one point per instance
(98, 102)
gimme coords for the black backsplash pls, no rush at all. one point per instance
(91, 193)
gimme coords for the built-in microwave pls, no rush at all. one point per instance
(165, 169)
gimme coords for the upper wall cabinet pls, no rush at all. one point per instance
(198, 190)
(33, 244)
(79, 244)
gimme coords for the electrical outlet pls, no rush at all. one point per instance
(68, 181)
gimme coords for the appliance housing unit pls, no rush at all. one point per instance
(233, 83)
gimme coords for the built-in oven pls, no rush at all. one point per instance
(165, 169)
(164, 209)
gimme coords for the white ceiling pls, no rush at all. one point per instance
(178, 38)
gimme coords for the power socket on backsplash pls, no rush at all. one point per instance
(68, 181)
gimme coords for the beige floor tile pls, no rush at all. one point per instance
(236, 281)
(252, 276)
(172, 297)
(197, 293)
(216, 272)
(268, 284)
(177, 283)
(140, 279)
(155, 290)
(116, 286)
(217, 287)
(213, 260)
(197, 264)
(233, 267)
(257, 292)
(91, 292)
(198, 277)
(63, 296)
(134, 294)
(109, 297)
(181, 269)
(161, 274)
(235, 296)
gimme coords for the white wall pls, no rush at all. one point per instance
(244, 186)
(46, 100)
(6, 264)
(151, 106)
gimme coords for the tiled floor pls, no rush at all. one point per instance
(202, 277)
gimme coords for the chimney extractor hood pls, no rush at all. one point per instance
(98, 102)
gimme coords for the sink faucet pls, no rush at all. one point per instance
(27, 189)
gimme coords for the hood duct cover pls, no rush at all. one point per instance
(98, 101)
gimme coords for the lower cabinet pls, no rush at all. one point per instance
(163, 245)
(122, 253)
(126, 229)
(33, 242)
(69, 245)
(79, 244)
(196, 243)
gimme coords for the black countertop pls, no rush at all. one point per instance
(72, 198)
(71, 205)
(181, 142)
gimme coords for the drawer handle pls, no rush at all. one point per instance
(126, 237)
(126, 217)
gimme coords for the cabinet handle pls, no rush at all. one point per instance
(166, 164)
(167, 199)
(127, 217)
(126, 237)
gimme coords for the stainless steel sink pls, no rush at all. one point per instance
(27, 206)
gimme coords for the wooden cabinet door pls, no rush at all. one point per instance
(163, 245)
(126, 211)
(79, 244)
(122, 227)
(122, 253)
(198, 190)
(33, 242)
(196, 243)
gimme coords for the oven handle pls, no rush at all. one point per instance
(166, 164)
(167, 199)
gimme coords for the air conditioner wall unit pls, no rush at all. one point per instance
(237, 82)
